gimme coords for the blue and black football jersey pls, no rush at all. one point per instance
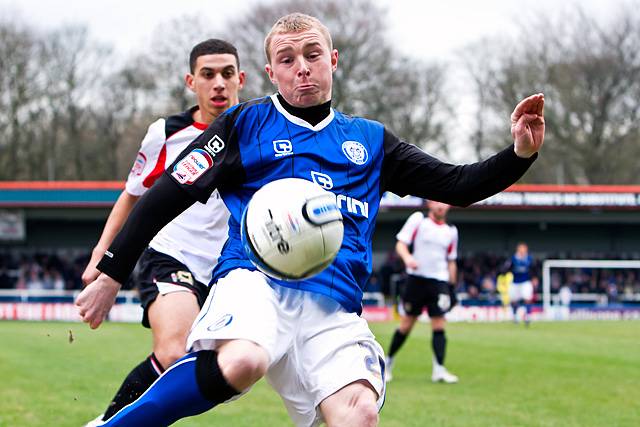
(357, 159)
(521, 269)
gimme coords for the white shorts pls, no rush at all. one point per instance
(315, 346)
(520, 291)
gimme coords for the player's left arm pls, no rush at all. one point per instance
(452, 266)
(452, 256)
(453, 272)
(453, 284)
(163, 202)
(409, 170)
(168, 197)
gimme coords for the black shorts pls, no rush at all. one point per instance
(433, 294)
(158, 267)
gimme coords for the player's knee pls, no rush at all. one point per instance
(252, 365)
(168, 354)
(367, 413)
(354, 405)
(243, 363)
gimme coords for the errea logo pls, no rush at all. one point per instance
(344, 202)
(322, 179)
(282, 147)
(214, 145)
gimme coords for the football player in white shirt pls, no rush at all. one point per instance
(432, 271)
(176, 267)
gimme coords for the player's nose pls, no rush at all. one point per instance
(219, 82)
(303, 68)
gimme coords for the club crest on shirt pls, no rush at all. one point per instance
(355, 152)
(138, 165)
(192, 166)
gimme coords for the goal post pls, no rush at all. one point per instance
(548, 264)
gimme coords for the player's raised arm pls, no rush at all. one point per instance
(409, 170)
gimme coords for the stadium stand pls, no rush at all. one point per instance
(48, 228)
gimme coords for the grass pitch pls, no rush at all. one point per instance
(552, 374)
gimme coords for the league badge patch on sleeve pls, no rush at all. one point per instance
(192, 166)
(138, 164)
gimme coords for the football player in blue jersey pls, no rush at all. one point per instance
(521, 289)
(307, 336)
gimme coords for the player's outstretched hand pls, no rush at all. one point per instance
(527, 125)
(95, 301)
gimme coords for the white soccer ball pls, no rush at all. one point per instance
(292, 229)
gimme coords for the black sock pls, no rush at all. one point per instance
(439, 344)
(137, 382)
(212, 384)
(396, 342)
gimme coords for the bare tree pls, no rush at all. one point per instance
(123, 106)
(480, 61)
(75, 67)
(590, 74)
(372, 80)
(18, 99)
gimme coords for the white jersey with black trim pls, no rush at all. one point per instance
(434, 245)
(195, 238)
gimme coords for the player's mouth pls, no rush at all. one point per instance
(306, 87)
(219, 101)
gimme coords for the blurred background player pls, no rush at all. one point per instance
(521, 288)
(432, 271)
(176, 267)
(503, 283)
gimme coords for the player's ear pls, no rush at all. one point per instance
(188, 81)
(241, 77)
(269, 71)
(334, 59)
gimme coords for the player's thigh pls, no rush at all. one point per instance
(336, 348)
(414, 297)
(527, 291)
(353, 405)
(515, 293)
(438, 298)
(161, 274)
(243, 306)
(170, 317)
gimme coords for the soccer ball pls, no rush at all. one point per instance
(292, 229)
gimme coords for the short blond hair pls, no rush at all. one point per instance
(295, 23)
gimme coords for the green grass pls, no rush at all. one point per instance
(552, 374)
